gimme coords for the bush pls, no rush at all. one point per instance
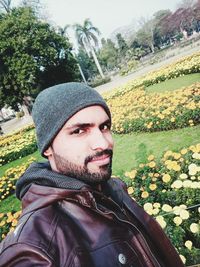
(99, 81)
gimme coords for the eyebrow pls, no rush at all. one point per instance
(85, 125)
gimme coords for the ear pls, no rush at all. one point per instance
(48, 152)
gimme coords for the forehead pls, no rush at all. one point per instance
(93, 114)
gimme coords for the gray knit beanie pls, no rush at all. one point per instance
(57, 104)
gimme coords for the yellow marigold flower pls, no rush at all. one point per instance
(184, 151)
(193, 169)
(155, 211)
(166, 178)
(156, 205)
(161, 221)
(148, 206)
(152, 187)
(151, 157)
(184, 214)
(152, 164)
(177, 155)
(196, 155)
(17, 214)
(166, 208)
(182, 258)
(194, 228)
(177, 220)
(14, 222)
(2, 223)
(3, 236)
(177, 184)
(1, 215)
(188, 244)
(183, 176)
(141, 165)
(176, 167)
(187, 184)
(130, 190)
(172, 119)
(145, 194)
(132, 174)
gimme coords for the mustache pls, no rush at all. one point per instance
(108, 152)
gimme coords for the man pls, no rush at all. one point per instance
(74, 213)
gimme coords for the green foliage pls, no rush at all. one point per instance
(99, 81)
(87, 64)
(169, 190)
(108, 55)
(123, 47)
(33, 56)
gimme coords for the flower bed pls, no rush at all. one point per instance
(17, 145)
(9, 179)
(186, 65)
(170, 191)
(137, 111)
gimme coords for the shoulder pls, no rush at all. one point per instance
(42, 236)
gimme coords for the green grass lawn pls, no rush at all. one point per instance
(133, 149)
(130, 150)
(173, 84)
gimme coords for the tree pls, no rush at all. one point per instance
(87, 64)
(33, 56)
(86, 34)
(160, 36)
(108, 54)
(123, 47)
(5, 5)
(145, 34)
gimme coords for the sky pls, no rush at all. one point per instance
(106, 15)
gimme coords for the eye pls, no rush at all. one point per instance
(78, 131)
(105, 127)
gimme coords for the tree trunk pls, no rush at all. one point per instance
(82, 74)
(97, 62)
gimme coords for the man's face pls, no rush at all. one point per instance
(83, 147)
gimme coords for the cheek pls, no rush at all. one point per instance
(77, 152)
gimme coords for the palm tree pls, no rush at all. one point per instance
(63, 32)
(5, 5)
(85, 35)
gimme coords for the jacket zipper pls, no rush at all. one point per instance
(127, 222)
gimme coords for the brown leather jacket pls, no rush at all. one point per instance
(84, 228)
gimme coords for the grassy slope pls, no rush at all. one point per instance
(170, 85)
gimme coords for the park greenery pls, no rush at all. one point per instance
(155, 118)
(162, 177)
(35, 54)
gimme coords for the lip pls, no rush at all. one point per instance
(102, 160)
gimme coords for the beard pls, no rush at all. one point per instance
(82, 173)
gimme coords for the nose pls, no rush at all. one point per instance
(100, 141)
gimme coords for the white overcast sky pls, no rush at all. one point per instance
(106, 15)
